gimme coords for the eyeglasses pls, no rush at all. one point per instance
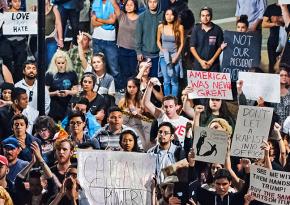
(160, 132)
(75, 123)
(30, 95)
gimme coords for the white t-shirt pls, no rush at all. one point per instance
(179, 124)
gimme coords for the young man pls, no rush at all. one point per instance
(77, 124)
(167, 153)
(222, 183)
(82, 54)
(4, 182)
(146, 35)
(35, 194)
(168, 112)
(11, 149)
(64, 151)
(205, 42)
(109, 135)
(19, 127)
(29, 83)
(82, 104)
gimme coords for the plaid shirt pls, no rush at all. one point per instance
(76, 61)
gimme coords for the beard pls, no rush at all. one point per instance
(29, 77)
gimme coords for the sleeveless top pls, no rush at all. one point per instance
(168, 42)
(49, 22)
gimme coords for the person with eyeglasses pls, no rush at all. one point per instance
(167, 153)
(77, 124)
(29, 83)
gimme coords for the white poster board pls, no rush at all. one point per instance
(141, 126)
(20, 23)
(116, 177)
(261, 84)
(269, 186)
(252, 127)
(210, 145)
(209, 85)
(284, 1)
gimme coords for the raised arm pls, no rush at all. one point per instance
(187, 103)
(116, 7)
(156, 112)
(285, 14)
(58, 26)
(267, 160)
(81, 52)
(283, 156)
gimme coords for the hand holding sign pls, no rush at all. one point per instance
(246, 163)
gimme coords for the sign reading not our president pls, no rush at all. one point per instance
(243, 51)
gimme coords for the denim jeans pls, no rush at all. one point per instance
(170, 84)
(110, 49)
(51, 47)
(128, 64)
(73, 15)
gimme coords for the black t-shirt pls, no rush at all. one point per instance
(206, 44)
(59, 176)
(273, 10)
(60, 81)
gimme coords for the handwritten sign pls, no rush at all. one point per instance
(20, 23)
(210, 145)
(269, 186)
(116, 177)
(257, 84)
(209, 85)
(141, 126)
(242, 52)
(252, 127)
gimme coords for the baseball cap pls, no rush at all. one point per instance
(3, 160)
(11, 142)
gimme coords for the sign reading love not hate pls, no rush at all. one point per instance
(209, 85)
(20, 23)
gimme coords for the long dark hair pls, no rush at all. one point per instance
(137, 98)
(176, 25)
(136, 148)
(136, 7)
(223, 112)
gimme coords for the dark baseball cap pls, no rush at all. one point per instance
(11, 142)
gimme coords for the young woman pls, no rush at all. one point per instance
(170, 40)
(105, 83)
(127, 56)
(87, 83)
(45, 129)
(143, 76)
(61, 82)
(128, 141)
(131, 102)
(6, 91)
(53, 30)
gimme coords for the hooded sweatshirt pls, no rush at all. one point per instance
(146, 32)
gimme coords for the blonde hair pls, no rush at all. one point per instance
(60, 54)
(224, 124)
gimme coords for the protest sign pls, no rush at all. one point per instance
(259, 84)
(270, 186)
(243, 51)
(210, 145)
(252, 127)
(141, 125)
(209, 85)
(283, 1)
(116, 177)
(20, 23)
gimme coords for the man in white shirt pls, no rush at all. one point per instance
(29, 83)
(168, 112)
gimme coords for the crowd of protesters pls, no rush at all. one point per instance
(105, 58)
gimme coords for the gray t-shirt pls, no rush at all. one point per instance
(126, 33)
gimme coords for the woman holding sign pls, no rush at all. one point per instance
(170, 40)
